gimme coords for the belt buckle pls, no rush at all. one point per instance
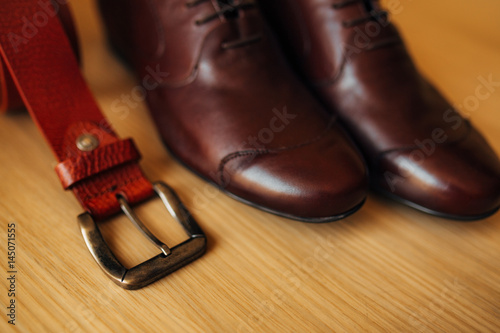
(157, 267)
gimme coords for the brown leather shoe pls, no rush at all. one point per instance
(228, 106)
(419, 149)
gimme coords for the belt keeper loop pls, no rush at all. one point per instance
(87, 164)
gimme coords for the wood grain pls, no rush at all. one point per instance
(386, 268)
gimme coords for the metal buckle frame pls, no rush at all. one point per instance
(157, 267)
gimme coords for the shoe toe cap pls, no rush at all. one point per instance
(318, 182)
(459, 181)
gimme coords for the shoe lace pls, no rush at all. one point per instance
(372, 13)
(230, 10)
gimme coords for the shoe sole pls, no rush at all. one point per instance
(432, 212)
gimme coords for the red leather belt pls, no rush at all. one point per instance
(101, 169)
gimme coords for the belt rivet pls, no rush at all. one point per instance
(87, 142)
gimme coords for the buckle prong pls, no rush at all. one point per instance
(138, 223)
(157, 267)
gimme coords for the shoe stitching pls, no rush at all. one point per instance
(257, 152)
(191, 77)
(335, 77)
(391, 41)
(414, 147)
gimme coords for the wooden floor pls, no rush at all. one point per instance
(387, 268)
